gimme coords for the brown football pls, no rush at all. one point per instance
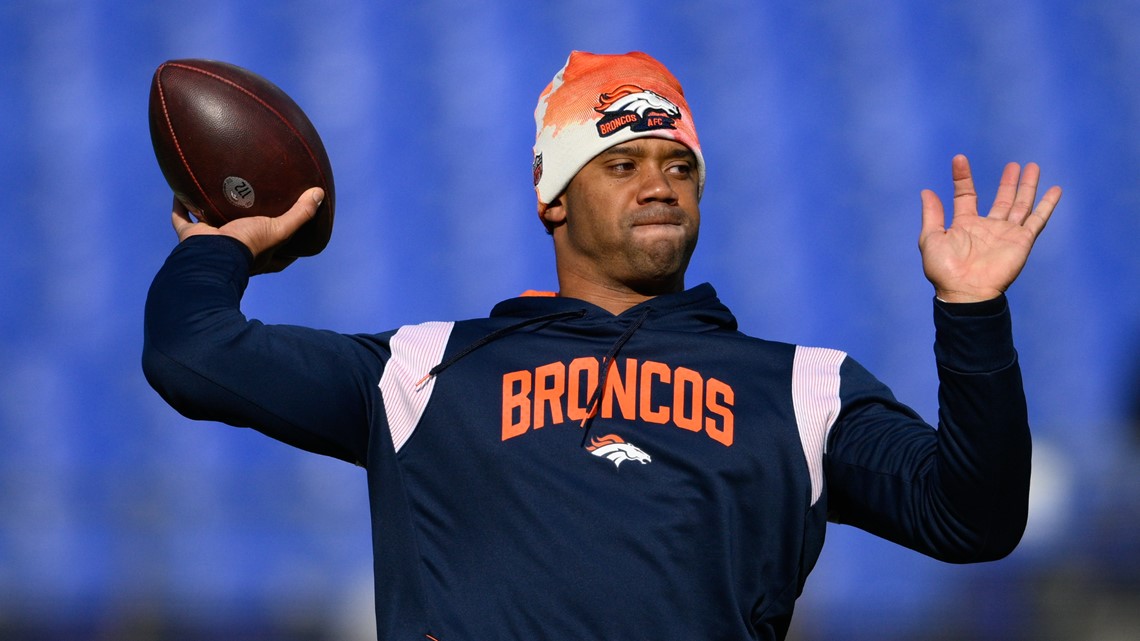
(232, 144)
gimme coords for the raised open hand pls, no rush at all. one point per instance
(978, 258)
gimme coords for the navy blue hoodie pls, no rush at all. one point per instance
(558, 472)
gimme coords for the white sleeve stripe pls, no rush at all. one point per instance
(815, 398)
(415, 350)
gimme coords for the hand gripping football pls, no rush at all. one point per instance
(232, 144)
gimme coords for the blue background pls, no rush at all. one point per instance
(820, 122)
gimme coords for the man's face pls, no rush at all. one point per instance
(629, 219)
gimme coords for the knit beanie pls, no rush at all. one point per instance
(597, 101)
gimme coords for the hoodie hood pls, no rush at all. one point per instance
(694, 310)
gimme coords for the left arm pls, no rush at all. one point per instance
(959, 493)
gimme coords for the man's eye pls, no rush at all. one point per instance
(681, 169)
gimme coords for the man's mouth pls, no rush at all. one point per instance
(658, 217)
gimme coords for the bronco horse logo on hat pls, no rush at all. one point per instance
(636, 108)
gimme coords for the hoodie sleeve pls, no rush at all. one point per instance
(958, 493)
(309, 388)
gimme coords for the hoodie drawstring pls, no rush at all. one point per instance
(607, 361)
(495, 335)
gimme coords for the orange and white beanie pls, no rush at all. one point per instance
(597, 101)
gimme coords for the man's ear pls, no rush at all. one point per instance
(553, 215)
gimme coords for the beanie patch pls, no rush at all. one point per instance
(636, 108)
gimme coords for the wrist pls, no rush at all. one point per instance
(956, 296)
(989, 307)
